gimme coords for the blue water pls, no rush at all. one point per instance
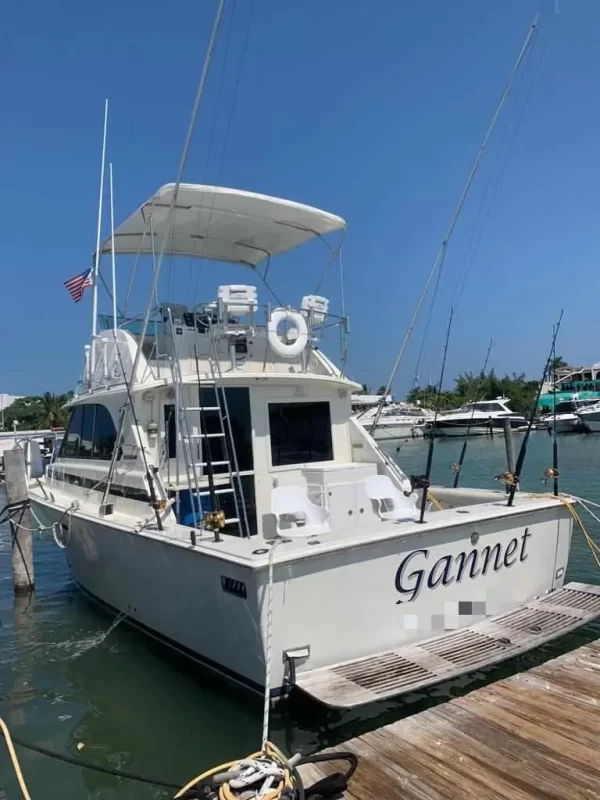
(72, 682)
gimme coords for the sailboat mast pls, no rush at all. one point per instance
(97, 257)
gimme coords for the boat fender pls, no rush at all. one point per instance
(292, 348)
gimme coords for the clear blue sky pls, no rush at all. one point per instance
(372, 110)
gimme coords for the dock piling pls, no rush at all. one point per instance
(21, 528)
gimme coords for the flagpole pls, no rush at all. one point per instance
(112, 249)
(97, 259)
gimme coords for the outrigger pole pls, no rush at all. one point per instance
(439, 259)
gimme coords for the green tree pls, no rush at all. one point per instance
(557, 363)
(37, 412)
(469, 388)
(53, 413)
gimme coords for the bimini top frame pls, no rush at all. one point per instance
(220, 224)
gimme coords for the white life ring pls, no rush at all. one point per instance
(292, 348)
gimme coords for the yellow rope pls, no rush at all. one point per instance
(225, 793)
(14, 759)
(434, 502)
(566, 501)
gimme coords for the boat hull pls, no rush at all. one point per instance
(414, 586)
(567, 423)
(395, 431)
(591, 422)
(475, 427)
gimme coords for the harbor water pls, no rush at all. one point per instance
(73, 681)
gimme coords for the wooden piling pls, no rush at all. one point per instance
(21, 528)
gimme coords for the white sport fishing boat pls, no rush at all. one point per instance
(396, 421)
(590, 417)
(566, 416)
(214, 489)
(477, 419)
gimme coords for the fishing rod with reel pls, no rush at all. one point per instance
(458, 467)
(422, 481)
(513, 480)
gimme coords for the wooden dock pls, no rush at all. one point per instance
(533, 735)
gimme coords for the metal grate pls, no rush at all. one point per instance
(380, 672)
(530, 620)
(573, 598)
(413, 667)
(465, 647)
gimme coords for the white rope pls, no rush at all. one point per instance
(268, 655)
(583, 501)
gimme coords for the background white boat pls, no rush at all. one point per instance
(476, 419)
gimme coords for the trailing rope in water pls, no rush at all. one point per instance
(14, 759)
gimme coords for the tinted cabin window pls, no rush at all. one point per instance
(105, 434)
(238, 406)
(91, 433)
(70, 446)
(300, 433)
(87, 432)
(170, 431)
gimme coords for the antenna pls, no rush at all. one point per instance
(97, 258)
(112, 249)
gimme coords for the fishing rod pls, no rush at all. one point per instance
(555, 440)
(523, 451)
(423, 481)
(458, 467)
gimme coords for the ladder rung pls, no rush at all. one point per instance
(201, 408)
(231, 519)
(205, 464)
(203, 436)
(217, 491)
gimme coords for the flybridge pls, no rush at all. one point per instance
(221, 224)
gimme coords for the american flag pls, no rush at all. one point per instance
(77, 285)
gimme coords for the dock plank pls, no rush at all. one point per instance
(533, 736)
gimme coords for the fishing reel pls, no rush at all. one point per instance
(507, 478)
(214, 521)
(549, 474)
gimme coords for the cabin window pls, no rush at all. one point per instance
(70, 446)
(238, 406)
(91, 433)
(300, 433)
(86, 442)
(170, 431)
(105, 434)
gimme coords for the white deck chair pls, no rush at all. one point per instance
(292, 506)
(390, 502)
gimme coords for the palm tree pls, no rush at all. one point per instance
(557, 363)
(52, 411)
